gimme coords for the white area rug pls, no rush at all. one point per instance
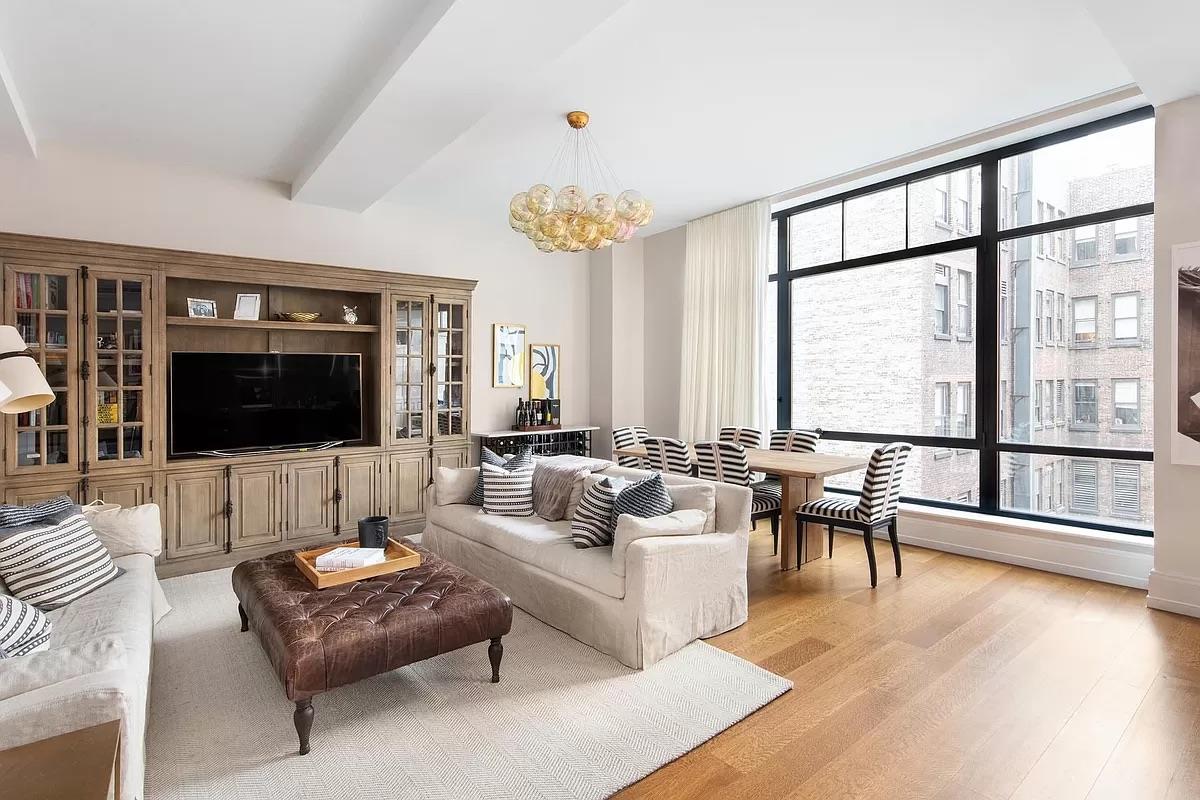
(565, 721)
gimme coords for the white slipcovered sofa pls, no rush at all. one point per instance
(97, 668)
(675, 590)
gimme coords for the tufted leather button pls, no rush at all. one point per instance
(320, 639)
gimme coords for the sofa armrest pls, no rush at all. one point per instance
(684, 588)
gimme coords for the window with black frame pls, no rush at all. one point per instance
(995, 312)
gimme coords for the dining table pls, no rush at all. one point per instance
(802, 478)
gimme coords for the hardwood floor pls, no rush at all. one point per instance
(963, 680)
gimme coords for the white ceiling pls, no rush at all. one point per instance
(458, 103)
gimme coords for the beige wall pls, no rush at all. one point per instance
(663, 258)
(84, 196)
(1175, 581)
(617, 299)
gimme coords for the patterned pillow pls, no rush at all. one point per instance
(592, 525)
(507, 492)
(646, 498)
(23, 629)
(523, 458)
(55, 561)
(11, 516)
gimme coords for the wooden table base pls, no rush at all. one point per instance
(795, 492)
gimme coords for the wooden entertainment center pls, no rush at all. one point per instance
(102, 321)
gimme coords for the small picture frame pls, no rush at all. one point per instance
(202, 308)
(247, 306)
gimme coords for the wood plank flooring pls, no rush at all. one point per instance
(963, 680)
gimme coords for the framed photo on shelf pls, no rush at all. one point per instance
(247, 306)
(202, 308)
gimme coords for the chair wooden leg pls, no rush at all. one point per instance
(831, 541)
(775, 535)
(893, 534)
(869, 540)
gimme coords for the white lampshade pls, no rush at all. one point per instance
(19, 374)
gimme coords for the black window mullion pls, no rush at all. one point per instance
(987, 331)
(783, 329)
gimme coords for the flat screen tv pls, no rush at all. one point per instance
(237, 402)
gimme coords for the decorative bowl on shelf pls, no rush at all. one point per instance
(300, 316)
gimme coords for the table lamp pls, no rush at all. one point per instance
(22, 386)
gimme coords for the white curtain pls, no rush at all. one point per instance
(725, 280)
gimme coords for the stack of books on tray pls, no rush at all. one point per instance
(340, 558)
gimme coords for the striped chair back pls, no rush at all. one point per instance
(795, 441)
(668, 455)
(628, 437)
(746, 437)
(724, 462)
(881, 487)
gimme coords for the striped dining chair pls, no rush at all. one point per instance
(746, 437)
(668, 455)
(798, 440)
(629, 437)
(876, 507)
(726, 462)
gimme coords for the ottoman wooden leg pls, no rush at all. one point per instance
(245, 622)
(495, 653)
(303, 717)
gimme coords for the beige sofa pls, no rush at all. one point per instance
(675, 590)
(96, 670)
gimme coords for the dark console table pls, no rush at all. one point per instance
(574, 440)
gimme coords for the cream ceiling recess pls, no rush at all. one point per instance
(570, 220)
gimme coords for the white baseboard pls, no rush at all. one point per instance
(1176, 593)
(1110, 558)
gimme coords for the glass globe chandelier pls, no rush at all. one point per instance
(570, 220)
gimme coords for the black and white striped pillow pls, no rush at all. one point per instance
(523, 458)
(11, 516)
(646, 498)
(507, 492)
(592, 525)
(54, 562)
(23, 629)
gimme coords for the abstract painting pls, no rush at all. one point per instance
(508, 355)
(544, 372)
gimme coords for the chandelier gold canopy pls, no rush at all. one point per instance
(570, 219)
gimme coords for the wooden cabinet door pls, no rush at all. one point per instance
(44, 490)
(408, 475)
(451, 382)
(450, 457)
(127, 491)
(195, 513)
(360, 483)
(257, 514)
(310, 505)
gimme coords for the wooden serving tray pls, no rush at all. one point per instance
(530, 428)
(398, 557)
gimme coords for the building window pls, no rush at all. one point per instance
(1050, 316)
(964, 213)
(1048, 397)
(1125, 238)
(1127, 413)
(1060, 484)
(1087, 247)
(1083, 487)
(941, 302)
(1037, 403)
(1037, 489)
(1004, 311)
(1037, 307)
(1085, 404)
(941, 202)
(963, 305)
(1041, 217)
(1125, 317)
(962, 416)
(1061, 315)
(1060, 401)
(1005, 207)
(1127, 488)
(1003, 406)
(941, 409)
(1084, 315)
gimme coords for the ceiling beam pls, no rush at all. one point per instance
(12, 113)
(1156, 40)
(459, 60)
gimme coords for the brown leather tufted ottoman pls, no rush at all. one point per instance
(321, 639)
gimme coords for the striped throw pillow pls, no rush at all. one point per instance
(646, 498)
(11, 516)
(523, 458)
(507, 492)
(54, 562)
(23, 629)
(592, 525)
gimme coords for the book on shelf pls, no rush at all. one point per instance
(349, 558)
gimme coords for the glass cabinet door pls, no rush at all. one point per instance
(410, 326)
(449, 379)
(119, 386)
(41, 302)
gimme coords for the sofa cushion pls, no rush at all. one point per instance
(533, 540)
(524, 458)
(700, 496)
(23, 629)
(592, 525)
(54, 561)
(11, 516)
(646, 498)
(455, 484)
(687, 522)
(507, 492)
(124, 531)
